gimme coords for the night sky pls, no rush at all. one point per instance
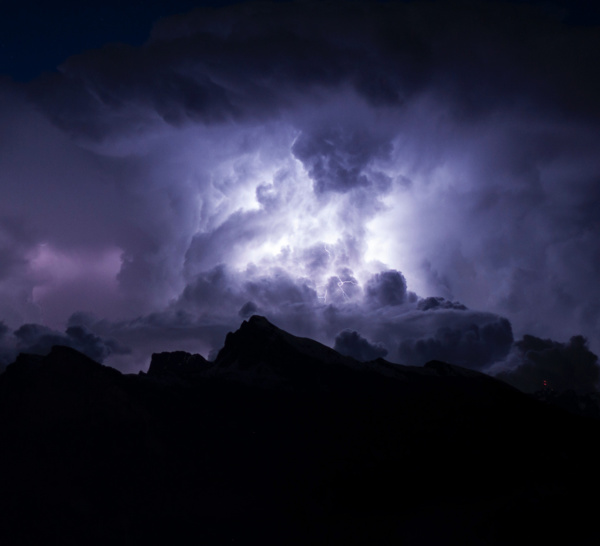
(412, 180)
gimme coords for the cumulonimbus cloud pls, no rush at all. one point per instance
(312, 162)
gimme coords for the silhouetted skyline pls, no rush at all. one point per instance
(410, 179)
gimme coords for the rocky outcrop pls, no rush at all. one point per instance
(177, 363)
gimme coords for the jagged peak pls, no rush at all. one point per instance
(258, 333)
(260, 322)
(176, 362)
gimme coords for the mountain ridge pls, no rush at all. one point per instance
(283, 440)
(244, 352)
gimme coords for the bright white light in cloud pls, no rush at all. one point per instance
(391, 239)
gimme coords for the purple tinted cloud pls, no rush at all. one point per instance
(318, 163)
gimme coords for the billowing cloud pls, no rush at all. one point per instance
(311, 162)
(37, 339)
(386, 288)
(471, 345)
(543, 363)
(351, 343)
(336, 159)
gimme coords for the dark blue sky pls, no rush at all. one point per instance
(36, 36)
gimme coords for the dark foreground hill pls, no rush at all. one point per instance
(284, 441)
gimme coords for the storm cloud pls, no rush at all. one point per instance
(471, 345)
(421, 174)
(39, 339)
(538, 364)
(386, 288)
(351, 343)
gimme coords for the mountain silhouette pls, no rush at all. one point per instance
(282, 440)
